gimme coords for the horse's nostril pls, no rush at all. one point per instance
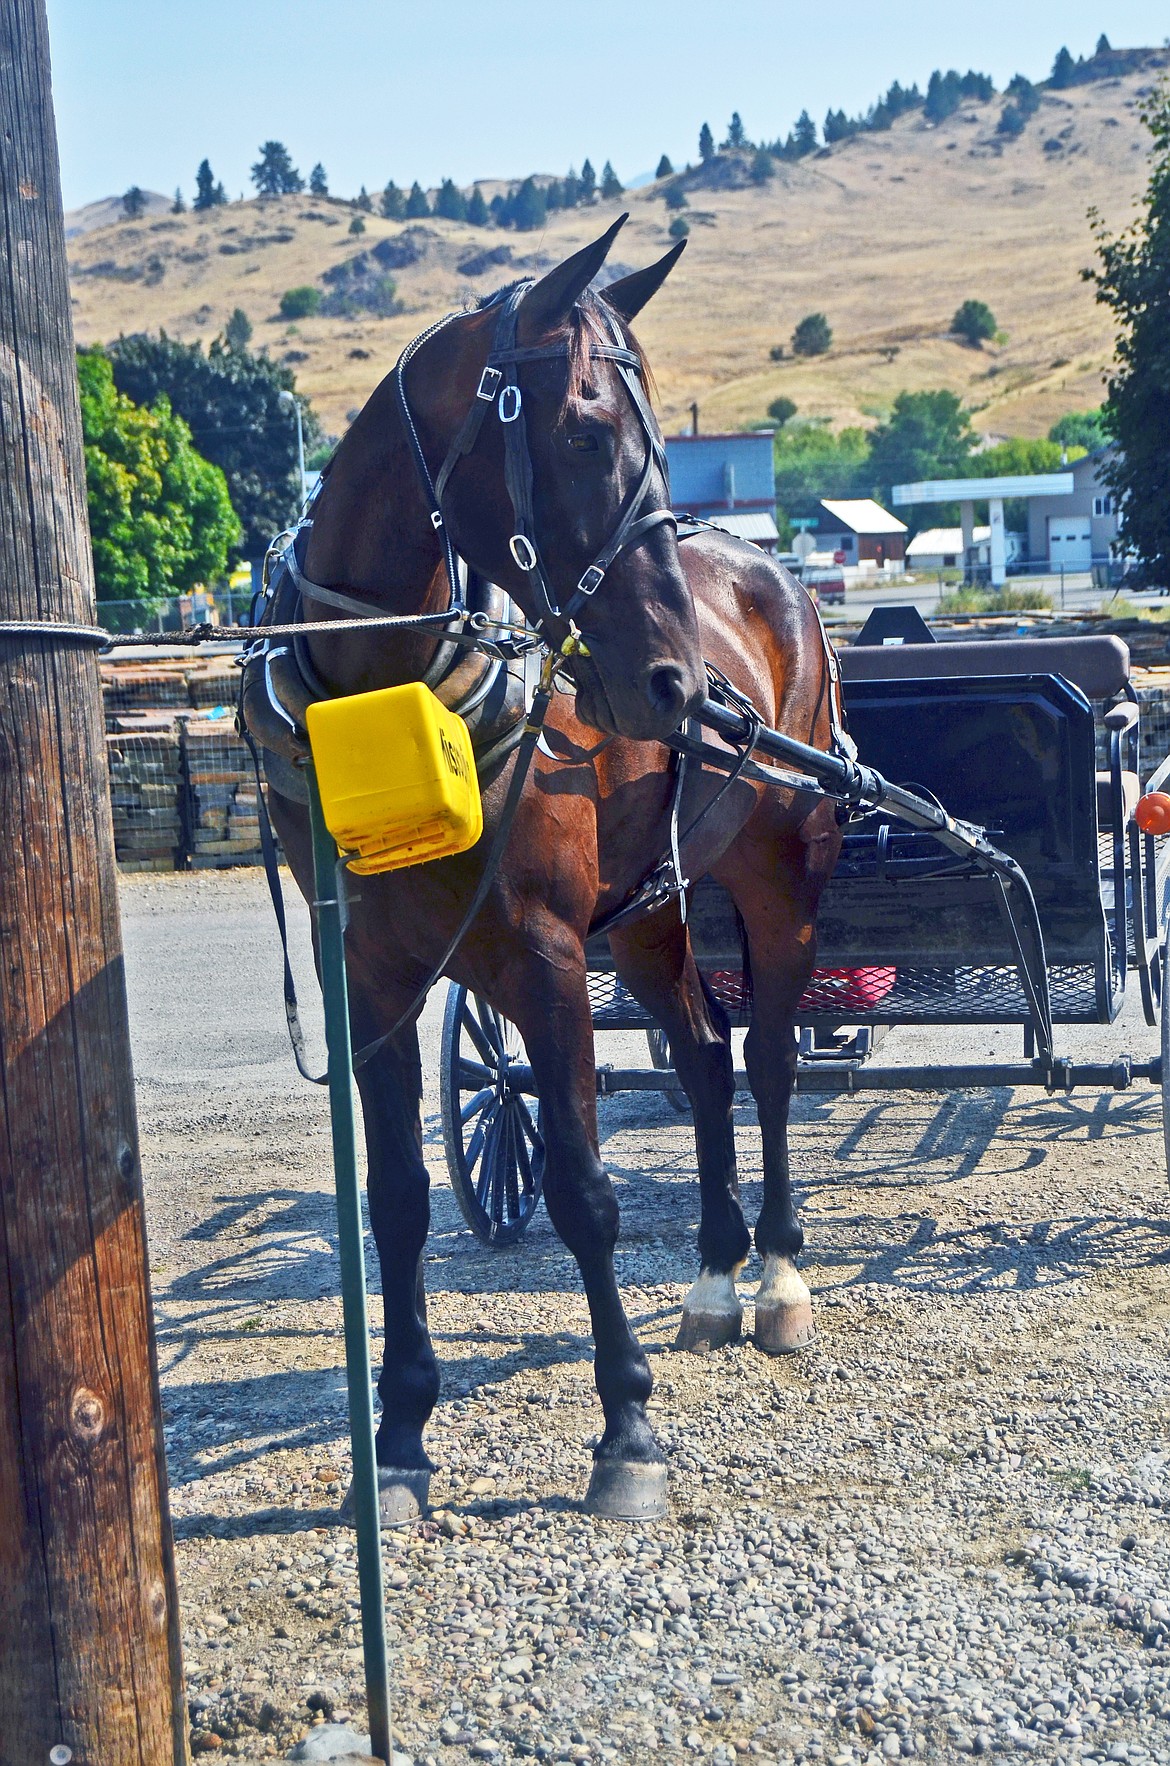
(666, 690)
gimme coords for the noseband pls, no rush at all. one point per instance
(499, 387)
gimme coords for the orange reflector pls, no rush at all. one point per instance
(1152, 814)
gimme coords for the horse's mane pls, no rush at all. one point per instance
(588, 324)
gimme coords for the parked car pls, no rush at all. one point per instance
(825, 583)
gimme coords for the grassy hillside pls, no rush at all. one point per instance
(884, 233)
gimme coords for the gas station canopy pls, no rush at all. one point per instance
(968, 491)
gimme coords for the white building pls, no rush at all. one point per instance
(1078, 530)
(941, 548)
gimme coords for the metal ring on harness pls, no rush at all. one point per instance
(523, 551)
(512, 393)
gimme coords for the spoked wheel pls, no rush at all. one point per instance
(491, 1121)
(660, 1057)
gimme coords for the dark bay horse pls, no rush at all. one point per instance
(592, 821)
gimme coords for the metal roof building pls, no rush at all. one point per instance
(728, 480)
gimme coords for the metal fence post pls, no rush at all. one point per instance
(328, 885)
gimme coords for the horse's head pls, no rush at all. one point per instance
(555, 486)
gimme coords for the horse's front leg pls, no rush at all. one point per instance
(398, 1187)
(551, 1007)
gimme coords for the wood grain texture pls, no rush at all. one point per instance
(89, 1635)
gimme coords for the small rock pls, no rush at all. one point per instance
(331, 1741)
(515, 1666)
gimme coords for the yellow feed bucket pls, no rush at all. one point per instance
(397, 777)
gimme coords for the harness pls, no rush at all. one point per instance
(279, 679)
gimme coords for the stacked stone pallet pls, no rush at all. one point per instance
(144, 686)
(222, 809)
(142, 753)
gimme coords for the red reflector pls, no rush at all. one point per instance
(1152, 814)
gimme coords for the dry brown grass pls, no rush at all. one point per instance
(886, 234)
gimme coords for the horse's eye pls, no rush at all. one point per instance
(584, 444)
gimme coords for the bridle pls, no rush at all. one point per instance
(500, 387)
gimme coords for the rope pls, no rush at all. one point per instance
(190, 636)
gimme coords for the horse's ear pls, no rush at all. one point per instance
(629, 295)
(550, 301)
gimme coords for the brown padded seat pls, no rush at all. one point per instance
(1099, 666)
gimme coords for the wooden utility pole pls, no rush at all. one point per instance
(90, 1668)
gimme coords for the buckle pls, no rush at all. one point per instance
(523, 551)
(436, 519)
(489, 381)
(592, 580)
(510, 411)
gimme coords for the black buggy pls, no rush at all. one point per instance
(1034, 741)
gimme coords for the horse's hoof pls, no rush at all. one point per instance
(627, 1490)
(711, 1316)
(784, 1318)
(402, 1497)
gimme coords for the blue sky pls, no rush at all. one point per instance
(466, 90)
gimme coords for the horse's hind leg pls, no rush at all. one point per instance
(399, 1198)
(776, 879)
(654, 960)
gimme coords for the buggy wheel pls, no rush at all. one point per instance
(491, 1129)
(659, 1048)
(1164, 1014)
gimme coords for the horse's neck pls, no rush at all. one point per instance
(371, 528)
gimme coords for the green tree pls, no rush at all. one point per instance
(813, 336)
(274, 173)
(160, 517)
(237, 333)
(927, 435)
(1064, 70)
(357, 225)
(611, 185)
(706, 143)
(318, 182)
(364, 201)
(178, 207)
(1104, 46)
(477, 209)
(811, 462)
(1080, 429)
(588, 182)
(393, 203)
(570, 189)
(676, 197)
(736, 133)
(665, 169)
(804, 135)
(528, 207)
(133, 203)
(679, 227)
(208, 194)
(974, 322)
(300, 302)
(416, 203)
(1133, 281)
(763, 166)
(450, 201)
(230, 401)
(781, 410)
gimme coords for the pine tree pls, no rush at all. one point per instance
(477, 209)
(133, 203)
(676, 197)
(1063, 69)
(318, 182)
(706, 143)
(1104, 46)
(665, 169)
(178, 207)
(274, 173)
(570, 189)
(416, 203)
(393, 202)
(450, 202)
(736, 134)
(528, 207)
(204, 186)
(237, 333)
(364, 201)
(588, 182)
(611, 185)
(805, 135)
(1133, 281)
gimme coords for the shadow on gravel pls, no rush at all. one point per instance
(263, 1521)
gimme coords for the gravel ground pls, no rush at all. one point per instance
(942, 1531)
